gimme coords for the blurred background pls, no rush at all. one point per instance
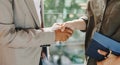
(70, 52)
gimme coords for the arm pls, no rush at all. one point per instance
(11, 37)
(79, 24)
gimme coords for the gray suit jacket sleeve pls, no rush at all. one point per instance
(10, 37)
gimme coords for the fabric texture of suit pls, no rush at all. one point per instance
(19, 39)
(107, 12)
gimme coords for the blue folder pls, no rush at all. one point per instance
(104, 43)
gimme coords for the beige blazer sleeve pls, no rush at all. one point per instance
(11, 37)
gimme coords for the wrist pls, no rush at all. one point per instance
(77, 24)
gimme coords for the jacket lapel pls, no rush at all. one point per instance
(32, 9)
(42, 13)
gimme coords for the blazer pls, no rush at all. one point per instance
(107, 12)
(19, 39)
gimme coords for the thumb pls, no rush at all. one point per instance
(102, 52)
(56, 26)
(63, 26)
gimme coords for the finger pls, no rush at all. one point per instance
(56, 26)
(68, 30)
(68, 35)
(65, 36)
(102, 52)
(63, 26)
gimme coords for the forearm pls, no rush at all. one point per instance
(78, 24)
(24, 38)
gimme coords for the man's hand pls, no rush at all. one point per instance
(110, 60)
(56, 26)
(77, 24)
(63, 35)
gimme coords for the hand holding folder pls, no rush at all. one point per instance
(104, 43)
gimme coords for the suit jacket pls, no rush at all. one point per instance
(107, 12)
(19, 39)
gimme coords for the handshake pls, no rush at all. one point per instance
(62, 33)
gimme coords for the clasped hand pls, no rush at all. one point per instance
(61, 35)
(110, 60)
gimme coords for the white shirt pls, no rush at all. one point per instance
(37, 6)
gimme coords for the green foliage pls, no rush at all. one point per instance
(54, 8)
(57, 11)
